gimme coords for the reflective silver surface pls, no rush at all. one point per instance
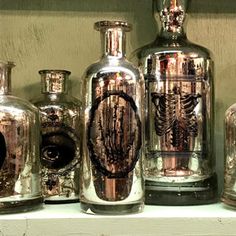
(179, 112)
(172, 15)
(111, 169)
(229, 191)
(175, 123)
(61, 130)
(20, 185)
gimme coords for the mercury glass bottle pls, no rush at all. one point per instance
(229, 192)
(60, 116)
(20, 186)
(111, 169)
(179, 155)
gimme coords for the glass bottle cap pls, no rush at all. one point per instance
(50, 71)
(100, 25)
(54, 81)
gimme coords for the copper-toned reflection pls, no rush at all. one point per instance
(61, 131)
(111, 168)
(179, 124)
(20, 188)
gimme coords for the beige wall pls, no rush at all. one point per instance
(59, 34)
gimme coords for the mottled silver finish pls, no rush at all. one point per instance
(20, 185)
(111, 168)
(172, 16)
(61, 130)
(54, 81)
(229, 191)
(5, 77)
(179, 111)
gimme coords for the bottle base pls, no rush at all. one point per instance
(62, 201)
(19, 206)
(194, 193)
(229, 200)
(91, 208)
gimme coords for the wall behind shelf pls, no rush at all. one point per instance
(43, 34)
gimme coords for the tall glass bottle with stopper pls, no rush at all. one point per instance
(111, 168)
(179, 155)
(20, 185)
(61, 130)
(229, 191)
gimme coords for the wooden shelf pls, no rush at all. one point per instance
(67, 220)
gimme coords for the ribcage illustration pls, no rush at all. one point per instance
(175, 116)
(188, 103)
(114, 134)
(165, 113)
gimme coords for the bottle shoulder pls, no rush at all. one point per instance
(231, 111)
(184, 47)
(111, 65)
(13, 102)
(54, 100)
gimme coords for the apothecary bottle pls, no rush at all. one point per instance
(179, 99)
(20, 185)
(111, 168)
(229, 191)
(61, 131)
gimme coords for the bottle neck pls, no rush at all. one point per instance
(171, 15)
(172, 35)
(5, 77)
(113, 42)
(54, 81)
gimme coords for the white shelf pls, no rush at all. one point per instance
(67, 220)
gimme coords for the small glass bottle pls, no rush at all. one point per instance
(60, 116)
(179, 153)
(111, 168)
(20, 186)
(229, 192)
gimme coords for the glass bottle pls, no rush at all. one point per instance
(179, 155)
(229, 192)
(111, 168)
(60, 116)
(20, 186)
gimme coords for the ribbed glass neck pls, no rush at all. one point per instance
(113, 35)
(5, 77)
(170, 15)
(113, 42)
(54, 81)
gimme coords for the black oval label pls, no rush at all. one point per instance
(3, 150)
(114, 134)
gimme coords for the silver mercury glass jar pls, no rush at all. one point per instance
(179, 99)
(229, 191)
(60, 116)
(111, 178)
(20, 185)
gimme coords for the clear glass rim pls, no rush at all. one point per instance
(7, 63)
(101, 25)
(54, 71)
